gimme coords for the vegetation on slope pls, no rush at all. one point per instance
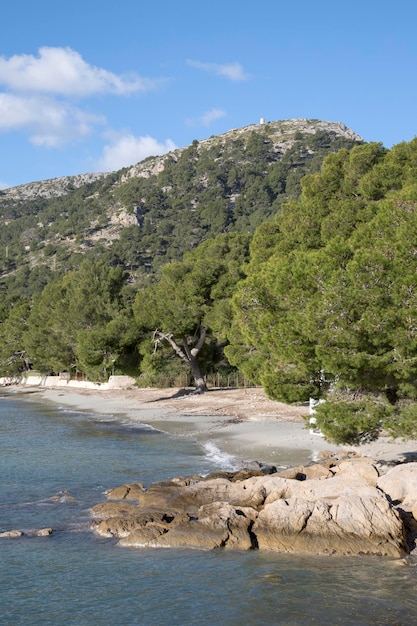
(328, 307)
(323, 306)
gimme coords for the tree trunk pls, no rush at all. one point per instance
(187, 354)
(191, 354)
(200, 384)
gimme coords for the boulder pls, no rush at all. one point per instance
(248, 492)
(359, 467)
(105, 510)
(132, 491)
(344, 525)
(11, 534)
(145, 520)
(306, 472)
(217, 525)
(41, 532)
(400, 484)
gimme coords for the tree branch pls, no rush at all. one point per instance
(159, 336)
(200, 342)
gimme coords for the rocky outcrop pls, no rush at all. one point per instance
(400, 486)
(331, 507)
(51, 188)
(14, 534)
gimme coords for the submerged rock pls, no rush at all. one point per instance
(333, 507)
(40, 532)
(11, 534)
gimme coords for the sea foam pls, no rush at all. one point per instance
(220, 457)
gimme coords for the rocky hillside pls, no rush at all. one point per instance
(51, 188)
(145, 215)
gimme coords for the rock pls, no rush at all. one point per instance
(400, 484)
(305, 473)
(160, 494)
(217, 525)
(293, 473)
(247, 493)
(364, 467)
(315, 509)
(142, 520)
(189, 498)
(63, 496)
(63, 499)
(132, 491)
(41, 532)
(317, 471)
(343, 526)
(11, 534)
(105, 510)
(316, 489)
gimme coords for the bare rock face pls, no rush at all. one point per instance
(105, 510)
(126, 492)
(342, 525)
(400, 484)
(360, 467)
(216, 525)
(138, 520)
(333, 508)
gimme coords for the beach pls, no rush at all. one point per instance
(242, 423)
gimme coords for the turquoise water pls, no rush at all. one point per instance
(75, 578)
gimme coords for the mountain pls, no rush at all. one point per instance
(143, 216)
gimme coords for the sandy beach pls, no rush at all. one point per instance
(242, 423)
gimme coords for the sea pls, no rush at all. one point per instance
(56, 463)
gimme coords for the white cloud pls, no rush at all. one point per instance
(63, 71)
(233, 71)
(125, 150)
(49, 122)
(38, 94)
(207, 118)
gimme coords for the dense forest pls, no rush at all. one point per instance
(237, 260)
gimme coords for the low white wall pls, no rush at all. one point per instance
(114, 382)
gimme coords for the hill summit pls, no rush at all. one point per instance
(147, 214)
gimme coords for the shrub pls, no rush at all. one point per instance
(353, 422)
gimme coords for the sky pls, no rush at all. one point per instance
(94, 85)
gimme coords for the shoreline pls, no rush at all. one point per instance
(242, 425)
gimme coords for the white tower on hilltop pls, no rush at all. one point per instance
(262, 120)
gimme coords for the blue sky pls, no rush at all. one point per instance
(98, 85)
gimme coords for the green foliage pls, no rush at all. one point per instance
(330, 294)
(190, 305)
(13, 358)
(351, 422)
(82, 322)
(64, 258)
(160, 368)
(232, 183)
(403, 422)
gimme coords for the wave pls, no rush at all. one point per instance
(220, 457)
